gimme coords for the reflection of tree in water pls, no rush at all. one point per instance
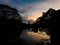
(43, 42)
(11, 21)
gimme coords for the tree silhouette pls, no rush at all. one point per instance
(10, 23)
(10, 12)
(51, 20)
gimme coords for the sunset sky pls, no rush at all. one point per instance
(32, 9)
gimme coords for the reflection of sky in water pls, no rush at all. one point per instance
(34, 37)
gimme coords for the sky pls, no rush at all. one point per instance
(32, 9)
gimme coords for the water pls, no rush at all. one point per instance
(31, 38)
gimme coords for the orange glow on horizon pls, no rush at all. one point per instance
(34, 16)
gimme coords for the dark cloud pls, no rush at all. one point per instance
(23, 9)
(5, 1)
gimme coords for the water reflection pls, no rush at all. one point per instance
(32, 37)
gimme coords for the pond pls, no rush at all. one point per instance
(31, 38)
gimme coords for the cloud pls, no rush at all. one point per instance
(38, 8)
(5, 1)
(34, 10)
(23, 9)
(47, 4)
